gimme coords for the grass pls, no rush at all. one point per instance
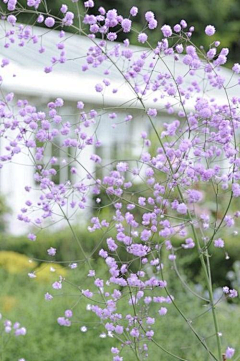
(22, 299)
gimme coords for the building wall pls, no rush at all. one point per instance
(120, 140)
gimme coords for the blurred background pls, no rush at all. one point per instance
(22, 299)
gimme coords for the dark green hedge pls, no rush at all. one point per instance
(68, 250)
(221, 261)
(67, 247)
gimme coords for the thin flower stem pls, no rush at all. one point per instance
(187, 321)
(186, 285)
(213, 306)
(207, 274)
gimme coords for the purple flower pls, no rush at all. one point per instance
(48, 296)
(11, 19)
(229, 221)
(87, 4)
(188, 243)
(122, 167)
(21, 331)
(64, 8)
(166, 30)
(205, 112)
(162, 311)
(117, 358)
(210, 30)
(119, 329)
(152, 24)
(145, 235)
(183, 24)
(62, 321)
(134, 332)
(111, 36)
(68, 313)
(152, 112)
(32, 237)
(126, 25)
(31, 275)
(226, 289)
(219, 243)
(236, 190)
(177, 28)
(103, 253)
(111, 244)
(51, 251)
(150, 333)
(40, 19)
(49, 22)
(80, 105)
(87, 293)
(99, 88)
(236, 68)
(7, 323)
(134, 11)
(179, 48)
(211, 53)
(115, 350)
(142, 38)
(16, 325)
(194, 196)
(98, 282)
(233, 293)
(142, 201)
(91, 273)
(149, 15)
(57, 285)
(182, 208)
(8, 329)
(229, 353)
(73, 265)
(109, 326)
(150, 320)
(222, 59)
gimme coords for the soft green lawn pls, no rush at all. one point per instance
(22, 299)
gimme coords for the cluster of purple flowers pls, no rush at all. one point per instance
(183, 170)
(15, 328)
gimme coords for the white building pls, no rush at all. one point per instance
(69, 82)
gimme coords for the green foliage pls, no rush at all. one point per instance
(68, 248)
(44, 336)
(68, 251)
(221, 262)
(24, 301)
(14, 262)
(48, 272)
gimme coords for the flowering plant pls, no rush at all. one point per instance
(184, 162)
(9, 330)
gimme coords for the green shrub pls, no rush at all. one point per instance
(13, 262)
(48, 272)
(221, 261)
(68, 250)
(67, 247)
